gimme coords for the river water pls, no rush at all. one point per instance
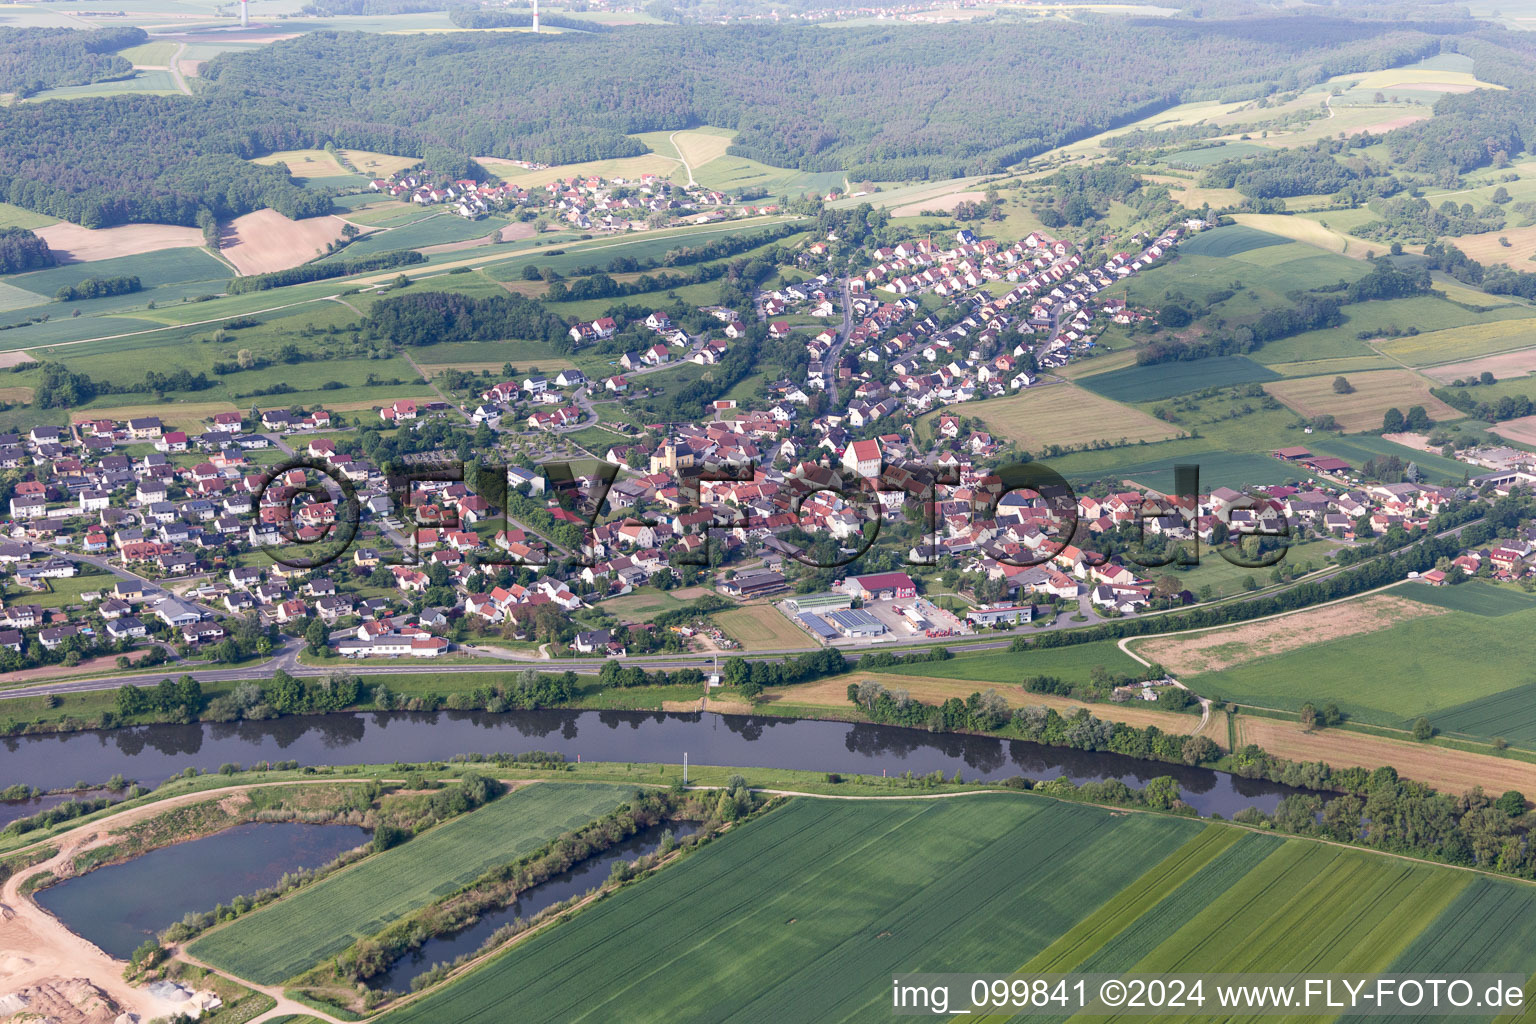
(119, 906)
(151, 754)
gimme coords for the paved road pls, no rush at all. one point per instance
(829, 364)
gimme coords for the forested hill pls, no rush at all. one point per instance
(34, 59)
(888, 104)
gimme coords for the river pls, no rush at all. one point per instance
(151, 754)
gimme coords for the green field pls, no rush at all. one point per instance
(805, 914)
(1208, 155)
(1358, 449)
(290, 936)
(153, 269)
(808, 913)
(1475, 597)
(1218, 468)
(1072, 663)
(1229, 241)
(1165, 380)
(1389, 677)
(1510, 715)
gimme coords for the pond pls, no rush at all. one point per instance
(119, 906)
(587, 874)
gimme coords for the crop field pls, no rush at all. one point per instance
(1165, 380)
(1006, 667)
(738, 174)
(567, 258)
(305, 163)
(1307, 229)
(793, 917)
(19, 217)
(157, 83)
(1475, 597)
(1374, 393)
(1509, 715)
(153, 269)
(378, 165)
(1205, 156)
(623, 167)
(1218, 467)
(804, 914)
(1213, 650)
(294, 934)
(434, 230)
(1519, 363)
(1065, 414)
(1461, 343)
(80, 244)
(1423, 312)
(1229, 241)
(1388, 676)
(762, 628)
(260, 242)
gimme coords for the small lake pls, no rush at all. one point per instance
(588, 874)
(119, 906)
(14, 810)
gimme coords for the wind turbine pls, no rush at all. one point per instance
(535, 17)
(245, 14)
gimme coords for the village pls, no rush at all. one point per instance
(163, 540)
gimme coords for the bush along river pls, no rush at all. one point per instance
(119, 906)
(575, 880)
(153, 753)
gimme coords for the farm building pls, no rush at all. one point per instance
(748, 585)
(855, 622)
(818, 604)
(882, 586)
(1009, 614)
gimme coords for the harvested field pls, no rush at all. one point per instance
(1522, 430)
(1219, 649)
(305, 163)
(513, 232)
(832, 692)
(945, 203)
(13, 358)
(260, 242)
(18, 394)
(76, 244)
(1487, 249)
(1451, 771)
(378, 165)
(699, 148)
(1382, 127)
(1375, 392)
(1504, 365)
(1065, 414)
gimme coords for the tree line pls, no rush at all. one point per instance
(21, 250)
(307, 272)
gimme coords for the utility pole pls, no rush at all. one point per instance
(685, 767)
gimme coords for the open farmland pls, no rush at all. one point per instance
(1444, 768)
(305, 163)
(378, 165)
(1067, 415)
(1303, 229)
(1460, 343)
(804, 914)
(1165, 380)
(1229, 241)
(1388, 676)
(73, 243)
(1217, 649)
(1375, 392)
(795, 917)
(1075, 662)
(260, 242)
(294, 934)
(1520, 363)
